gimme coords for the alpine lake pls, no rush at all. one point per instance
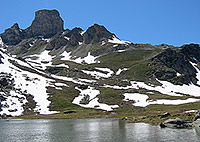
(90, 130)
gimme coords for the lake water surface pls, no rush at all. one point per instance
(90, 130)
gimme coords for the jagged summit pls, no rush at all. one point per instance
(13, 35)
(96, 33)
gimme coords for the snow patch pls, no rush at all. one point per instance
(43, 60)
(82, 32)
(1, 42)
(103, 43)
(67, 38)
(46, 39)
(89, 59)
(198, 72)
(141, 100)
(61, 84)
(166, 88)
(98, 75)
(66, 56)
(191, 111)
(115, 40)
(92, 94)
(61, 65)
(120, 51)
(121, 70)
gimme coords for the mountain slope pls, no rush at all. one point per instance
(45, 69)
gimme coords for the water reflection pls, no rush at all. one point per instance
(90, 130)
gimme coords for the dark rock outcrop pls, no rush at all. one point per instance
(74, 36)
(96, 33)
(13, 35)
(165, 115)
(3, 82)
(47, 23)
(177, 123)
(167, 64)
(56, 43)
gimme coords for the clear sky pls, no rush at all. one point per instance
(175, 22)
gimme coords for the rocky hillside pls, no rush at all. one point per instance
(46, 69)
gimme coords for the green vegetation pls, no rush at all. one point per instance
(110, 96)
(61, 100)
(37, 47)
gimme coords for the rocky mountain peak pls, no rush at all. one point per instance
(46, 23)
(96, 33)
(12, 36)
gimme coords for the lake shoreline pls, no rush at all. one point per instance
(154, 119)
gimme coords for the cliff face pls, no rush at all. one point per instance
(46, 23)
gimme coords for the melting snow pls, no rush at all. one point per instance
(31, 83)
(89, 59)
(115, 40)
(98, 75)
(43, 60)
(166, 88)
(82, 32)
(198, 72)
(66, 55)
(121, 50)
(121, 70)
(1, 42)
(67, 38)
(13, 104)
(93, 100)
(61, 65)
(141, 100)
(61, 84)
(46, 39)
(76, 81)
(103, 43)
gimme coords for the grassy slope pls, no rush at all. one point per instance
(137, 62)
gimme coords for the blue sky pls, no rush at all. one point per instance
(174, 22)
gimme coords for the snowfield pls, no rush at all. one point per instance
(142, 100)
(30, 83)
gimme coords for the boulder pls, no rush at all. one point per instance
(3, 82)
(177, 123)
(165, 115)
(197, 116)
